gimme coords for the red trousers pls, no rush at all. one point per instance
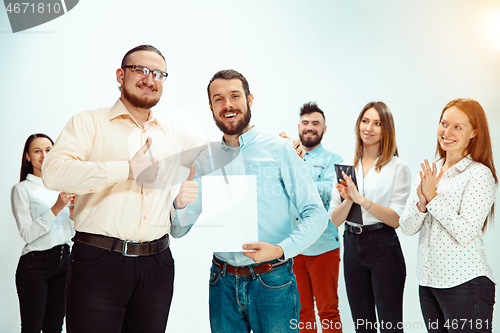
(317, 279)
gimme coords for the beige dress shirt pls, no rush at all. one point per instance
(90, 159)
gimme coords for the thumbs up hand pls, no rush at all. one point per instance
(188, 192)
(143, 167)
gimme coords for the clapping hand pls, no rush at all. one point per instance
(422, 201)
(429, 181)
(347, 189)
(342, 188)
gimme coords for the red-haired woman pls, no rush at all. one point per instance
(44, 223)
(374, 266)
(451, 203)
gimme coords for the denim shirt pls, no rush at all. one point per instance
(320, 163)
(282, 178)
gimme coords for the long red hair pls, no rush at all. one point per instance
(479, 147)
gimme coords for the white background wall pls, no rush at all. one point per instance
(414, 55)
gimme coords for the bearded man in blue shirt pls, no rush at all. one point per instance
(317, 268)
(254, 290)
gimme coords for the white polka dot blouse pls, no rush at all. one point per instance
(450, 248)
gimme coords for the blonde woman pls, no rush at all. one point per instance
(374, 266)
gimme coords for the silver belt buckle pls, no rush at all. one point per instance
(125, 247)
(360, 230)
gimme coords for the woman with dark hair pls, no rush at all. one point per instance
(450, 205)
(45, 224)
(374, 266)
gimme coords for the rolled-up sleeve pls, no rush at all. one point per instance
(400, 189)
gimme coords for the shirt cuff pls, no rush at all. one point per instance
(180, 222)
(179, 217)
(416, 213)
(288, 248)
(117, 172)
(435, 207)
(182, 215)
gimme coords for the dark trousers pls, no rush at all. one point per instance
(465, 308)
(40, 282)
(375, 274)
(110, 293)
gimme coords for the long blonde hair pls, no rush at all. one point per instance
(388, 147)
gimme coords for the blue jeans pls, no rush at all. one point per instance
(40, 282)
(263, 303)
(465, 308)
(375, 274)
(110, 293)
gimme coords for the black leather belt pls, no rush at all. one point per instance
(127, 248)
(245, 270)
(363, 228)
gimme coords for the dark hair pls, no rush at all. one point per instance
(311, 107)
(388, 147)
(229, 74)
(148, 48)
(26, 166)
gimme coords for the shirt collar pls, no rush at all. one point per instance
(119, 109)
(248, 136)
(243, 139)
(460, 165)
(32, 178)
(463, 163)
(315, 151)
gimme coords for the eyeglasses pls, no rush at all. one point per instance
(143, 71)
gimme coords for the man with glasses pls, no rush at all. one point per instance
(121, 271)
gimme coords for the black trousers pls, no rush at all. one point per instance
(40, 282)
(110, 293)
(465, 308)
(375, 274)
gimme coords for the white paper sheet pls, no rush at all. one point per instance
(229, 217)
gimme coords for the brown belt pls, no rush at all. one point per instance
(127, 248)
(245, 270)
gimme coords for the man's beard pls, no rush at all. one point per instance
(142, 103)
(240, 126)
(310, 142)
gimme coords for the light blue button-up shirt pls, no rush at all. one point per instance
(282, 178)
(320, 163)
